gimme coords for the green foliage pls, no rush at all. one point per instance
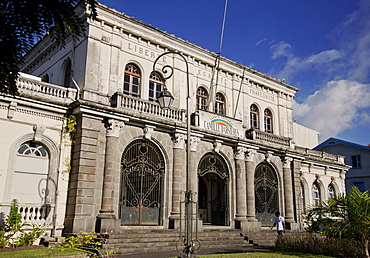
(320, 245)
(22, 22)
(343, 217)
(2, 239)
(27, 238)
(71, 126)
(84, 239)
(13, 234)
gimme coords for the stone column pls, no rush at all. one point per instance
(111, 178)
(288, 189)
(251, 206)
(178, 178)
(241, 198)
(193, 173)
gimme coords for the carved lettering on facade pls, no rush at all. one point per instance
(261, 94)
(141, 50)
(208, 76)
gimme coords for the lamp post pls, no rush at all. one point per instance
(165, 99)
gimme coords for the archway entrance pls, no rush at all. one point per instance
(142, 184)
(213, 189)
(266, 194)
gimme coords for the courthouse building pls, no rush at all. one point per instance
(86, 146)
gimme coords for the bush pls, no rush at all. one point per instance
(316, 244)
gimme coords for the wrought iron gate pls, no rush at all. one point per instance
(142, 184)
(215, 173)
(266, 194)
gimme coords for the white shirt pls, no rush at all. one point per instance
(279, 221)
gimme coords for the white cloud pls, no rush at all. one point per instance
(339, 106)
(260, 41)
(280, 49)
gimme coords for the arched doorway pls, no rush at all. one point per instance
(266, 193)
(213, 189)
(142, 184)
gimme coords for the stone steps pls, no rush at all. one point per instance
(141, 241)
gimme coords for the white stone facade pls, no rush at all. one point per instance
(121, 138)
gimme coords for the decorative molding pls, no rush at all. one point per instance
(114, 127)
(217, 145)
(194, 143)
(268, 156)
(286, 161)
(178, 141)
(39, 130)
(148, 130)
(239, 152)
(11, 109)
(249, 154)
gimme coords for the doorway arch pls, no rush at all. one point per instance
(142, 183)
(213, 190)
(266, 193)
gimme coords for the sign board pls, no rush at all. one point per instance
(220, 124)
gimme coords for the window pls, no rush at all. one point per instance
(331, 191)
(156, 83)
(202, 96)
(131, 84)
(254, 116)
(356, 161)
(316, 194)
(220, 104)
(30, 174)
(67, 75)
(268, 120)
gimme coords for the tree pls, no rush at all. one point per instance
(23, 22)
(344, 217)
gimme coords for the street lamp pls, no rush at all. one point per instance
(165, 100)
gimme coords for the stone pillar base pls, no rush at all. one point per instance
(292, 226)
(108, 225)
(251, 226)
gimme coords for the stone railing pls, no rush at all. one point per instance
(29, 85)
(146, 107)
(315, 154)
(263, 137)
(36, 214)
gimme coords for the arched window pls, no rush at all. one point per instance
(30, 174)
(202, 96)
(156, 83)
(331, 191)
(67, 75)
(220, 104)
(131, 84)
(254, 113)
(268, 120)
(316, 196)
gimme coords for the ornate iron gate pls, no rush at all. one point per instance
(214, 170)
(142, 184)
(266, 194)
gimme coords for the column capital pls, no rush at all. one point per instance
(249, 154)
(113, 127)
(194, 143)
(286, 161)
(239, 152)
(178, 140)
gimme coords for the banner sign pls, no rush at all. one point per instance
(213, 122)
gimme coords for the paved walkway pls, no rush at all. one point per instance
(168, 254)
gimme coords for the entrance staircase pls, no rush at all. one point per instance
(158, 240)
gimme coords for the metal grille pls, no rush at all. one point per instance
(142, 184)
(266, 194)
(214, 188)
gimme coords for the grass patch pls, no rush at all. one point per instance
(47, 252)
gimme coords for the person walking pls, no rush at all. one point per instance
(280, 223)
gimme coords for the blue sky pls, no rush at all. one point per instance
(321, 47)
